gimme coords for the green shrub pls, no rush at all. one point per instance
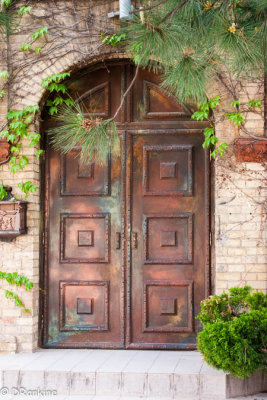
(234, 337)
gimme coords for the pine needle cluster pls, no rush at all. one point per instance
(7, 21)
(93, 136)
(192, 40)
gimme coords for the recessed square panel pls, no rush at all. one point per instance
(84, 238)
(168, 238)
(167, 170)
(84, 305)
(86, 170)
(168, 306)
(81, 179)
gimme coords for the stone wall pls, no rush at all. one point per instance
(238, 239)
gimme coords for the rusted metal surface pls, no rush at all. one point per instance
(250, 150)
(4, 151)
(168, 204)
(127, 243)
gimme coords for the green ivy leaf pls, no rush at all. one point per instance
(53, 86)
(17, 124)
(31, 109)
(27, 187)
(236, 118)
(235, 103)
(222, 148)
(208, 132)
(15, 149)
(11, 137)
(49, 103)
(24, 10)
(40, 32)
(12, 114)
(34, 139)
(53, 110)
(4, 133)
(39, 153)
(13, 160)
(57, 101)
(255, 103)
(23, 162)
(25, 46)
(14, 168)
(28, 119)
(6, 3)
(113, 40)
(61, 88)
(214, 101)
(4, 74)
(214, 153)
(69, 102)
(54, 78)
(200, 115)
(3, 192)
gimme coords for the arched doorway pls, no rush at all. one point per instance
(127, 243)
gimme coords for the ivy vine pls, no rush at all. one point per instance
(17, 280)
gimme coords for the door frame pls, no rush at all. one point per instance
(127, 131)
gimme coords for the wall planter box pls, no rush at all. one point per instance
(12, 218)
(250, 150)
(4, 151)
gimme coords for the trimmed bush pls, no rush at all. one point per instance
(234, 338)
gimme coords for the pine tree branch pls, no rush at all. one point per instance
(126, 92)
(148, 8)
(171, 13)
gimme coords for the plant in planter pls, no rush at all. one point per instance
(234, 337)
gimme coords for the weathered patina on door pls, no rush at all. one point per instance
(127, 252)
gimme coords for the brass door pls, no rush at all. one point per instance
(127, 242)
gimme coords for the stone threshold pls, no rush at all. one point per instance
(120, 374)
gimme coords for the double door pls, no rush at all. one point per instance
(127, 250)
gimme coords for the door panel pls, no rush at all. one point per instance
(82, 179)
(168, 217)
(151, 102)
(85, 270)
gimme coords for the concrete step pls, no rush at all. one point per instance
(260, 396)
(107, 374)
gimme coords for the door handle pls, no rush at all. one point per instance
(118, 240)
(134, 240)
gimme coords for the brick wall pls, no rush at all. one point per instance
(238, 195)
